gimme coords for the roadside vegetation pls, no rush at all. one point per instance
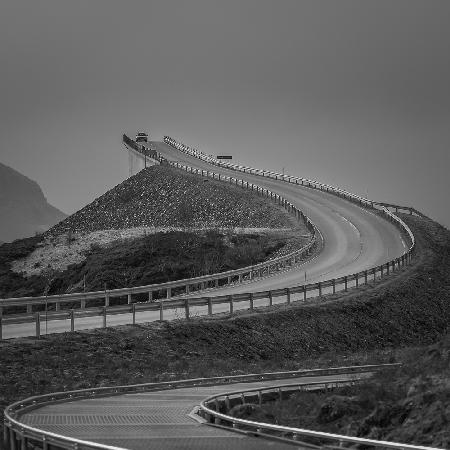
(379, 324)
(156, 258)
(407, 404)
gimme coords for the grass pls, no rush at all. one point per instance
(409, 404)
(155, 258)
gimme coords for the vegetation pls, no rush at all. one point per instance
(408, 404)
(156, 258)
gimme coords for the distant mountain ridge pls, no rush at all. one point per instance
(24, 210)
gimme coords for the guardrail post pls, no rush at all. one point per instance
(381, 268)
(365, 277)
(209, 306)
(106, 298)
(38, 325)
(288, 296)
(387, 268)
(168, 292)
(333, 281)
(270, 298)
(129, 299)
(216, 283)
(104, 317)
(44, 443)
(161, 310)
(320, 288)
(186, 308)
(304, 292)
(230, 298)
(72, 320)
(1, 324)
(357, 280)
(57, 306)
(83, 303)
(187, 289)
(150, 296)
(251, 301)
(345, 283)
(133, 312)
(29, 308)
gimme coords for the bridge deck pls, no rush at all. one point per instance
(153, 420)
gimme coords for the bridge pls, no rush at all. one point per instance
(353, 241)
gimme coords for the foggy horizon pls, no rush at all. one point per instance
(350, 93)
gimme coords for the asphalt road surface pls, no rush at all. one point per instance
(153, 420)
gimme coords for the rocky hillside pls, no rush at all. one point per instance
(162, 196)
(23, 208)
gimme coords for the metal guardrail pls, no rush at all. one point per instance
(17, 434)
(215, 409)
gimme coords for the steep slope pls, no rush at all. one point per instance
(23, 208)
(162, 196)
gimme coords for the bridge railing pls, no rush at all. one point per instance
(216, 410)
(17, 434)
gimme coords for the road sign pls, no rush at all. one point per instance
(224, 157)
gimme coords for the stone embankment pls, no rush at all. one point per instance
(162, 196)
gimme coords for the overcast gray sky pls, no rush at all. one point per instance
(355, 93)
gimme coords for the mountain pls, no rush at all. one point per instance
(24, 210)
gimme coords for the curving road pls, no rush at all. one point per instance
(154, 420)
(355, 239)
